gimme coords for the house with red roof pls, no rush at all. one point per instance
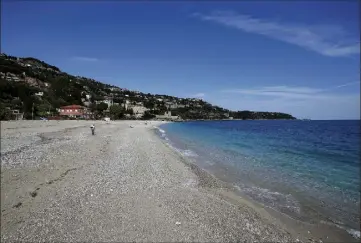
(75, 111)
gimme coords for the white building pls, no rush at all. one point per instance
(139, 110)
(86, 103)
(126, 104)
(115, 89)
(106, 101)
(167, 116)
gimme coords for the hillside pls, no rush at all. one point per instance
(37, 89)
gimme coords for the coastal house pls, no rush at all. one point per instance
(87, 103)
(75, 111)
(11, 77)
(126, 104)
(107, 101)
(16, 115)
(167, 116)
(115, 89)
(173, 105)
(139, 103)
(139, 110)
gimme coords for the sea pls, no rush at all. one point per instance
(309, 170)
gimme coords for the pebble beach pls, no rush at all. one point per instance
(60, 183)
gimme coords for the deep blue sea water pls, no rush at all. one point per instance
(309, 170)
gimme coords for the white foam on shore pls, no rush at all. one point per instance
(189, 153)
(354, 233)
(183, 152)
(282, 203)
(161, 130)
(275, 200)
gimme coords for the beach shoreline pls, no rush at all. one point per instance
(301, 230)
(124, 184)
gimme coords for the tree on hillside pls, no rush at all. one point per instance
(116, 111)
(101, 107)
(93, 107)
(175, 113)
(92, 99)
(147, 116)
(5, 114)
(162, 109)
(118, 100)
(16, 103)
(75, 96)
(149, 104)
(129, 111)
(43, 109)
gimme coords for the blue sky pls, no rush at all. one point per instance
(297, 57)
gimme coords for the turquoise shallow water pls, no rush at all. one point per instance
(309, 170)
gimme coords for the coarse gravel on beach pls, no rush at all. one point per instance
(60, 183)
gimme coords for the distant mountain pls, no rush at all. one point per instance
(33, 87)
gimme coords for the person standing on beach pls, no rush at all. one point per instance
(92, 128)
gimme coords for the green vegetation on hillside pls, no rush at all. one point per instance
(34, 87)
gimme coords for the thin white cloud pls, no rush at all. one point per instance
(347, 84)
(279, 91)
(326, 40)
(290, 92)
(199, 95)
(86, 59)
(315, 103)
